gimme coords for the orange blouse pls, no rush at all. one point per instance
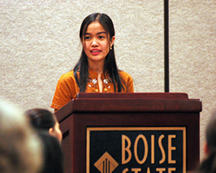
(67, 88)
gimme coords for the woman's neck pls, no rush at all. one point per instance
(97, 67)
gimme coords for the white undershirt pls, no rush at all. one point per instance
(100, 83)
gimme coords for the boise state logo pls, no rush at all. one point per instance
(106, 164)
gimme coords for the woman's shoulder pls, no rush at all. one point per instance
(124, 74)
(67, 76)
(127, 80)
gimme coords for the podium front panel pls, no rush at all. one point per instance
(182, 130)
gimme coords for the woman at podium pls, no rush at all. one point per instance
(96, 70)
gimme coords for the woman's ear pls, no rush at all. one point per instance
(206, 149)
(112, 41)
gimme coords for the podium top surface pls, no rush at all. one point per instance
(129, 102)
(134, 95)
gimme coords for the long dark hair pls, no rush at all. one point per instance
(110, 65)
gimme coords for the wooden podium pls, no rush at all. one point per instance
(130, 132)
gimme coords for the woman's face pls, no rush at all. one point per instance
(96, 43)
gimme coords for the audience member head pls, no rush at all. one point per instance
(53, 156)
(211, 134)
(42, 119)
(20, 147)
(208, 165)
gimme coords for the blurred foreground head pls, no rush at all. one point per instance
(211, 133)
(20, 147)
(208, 165)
